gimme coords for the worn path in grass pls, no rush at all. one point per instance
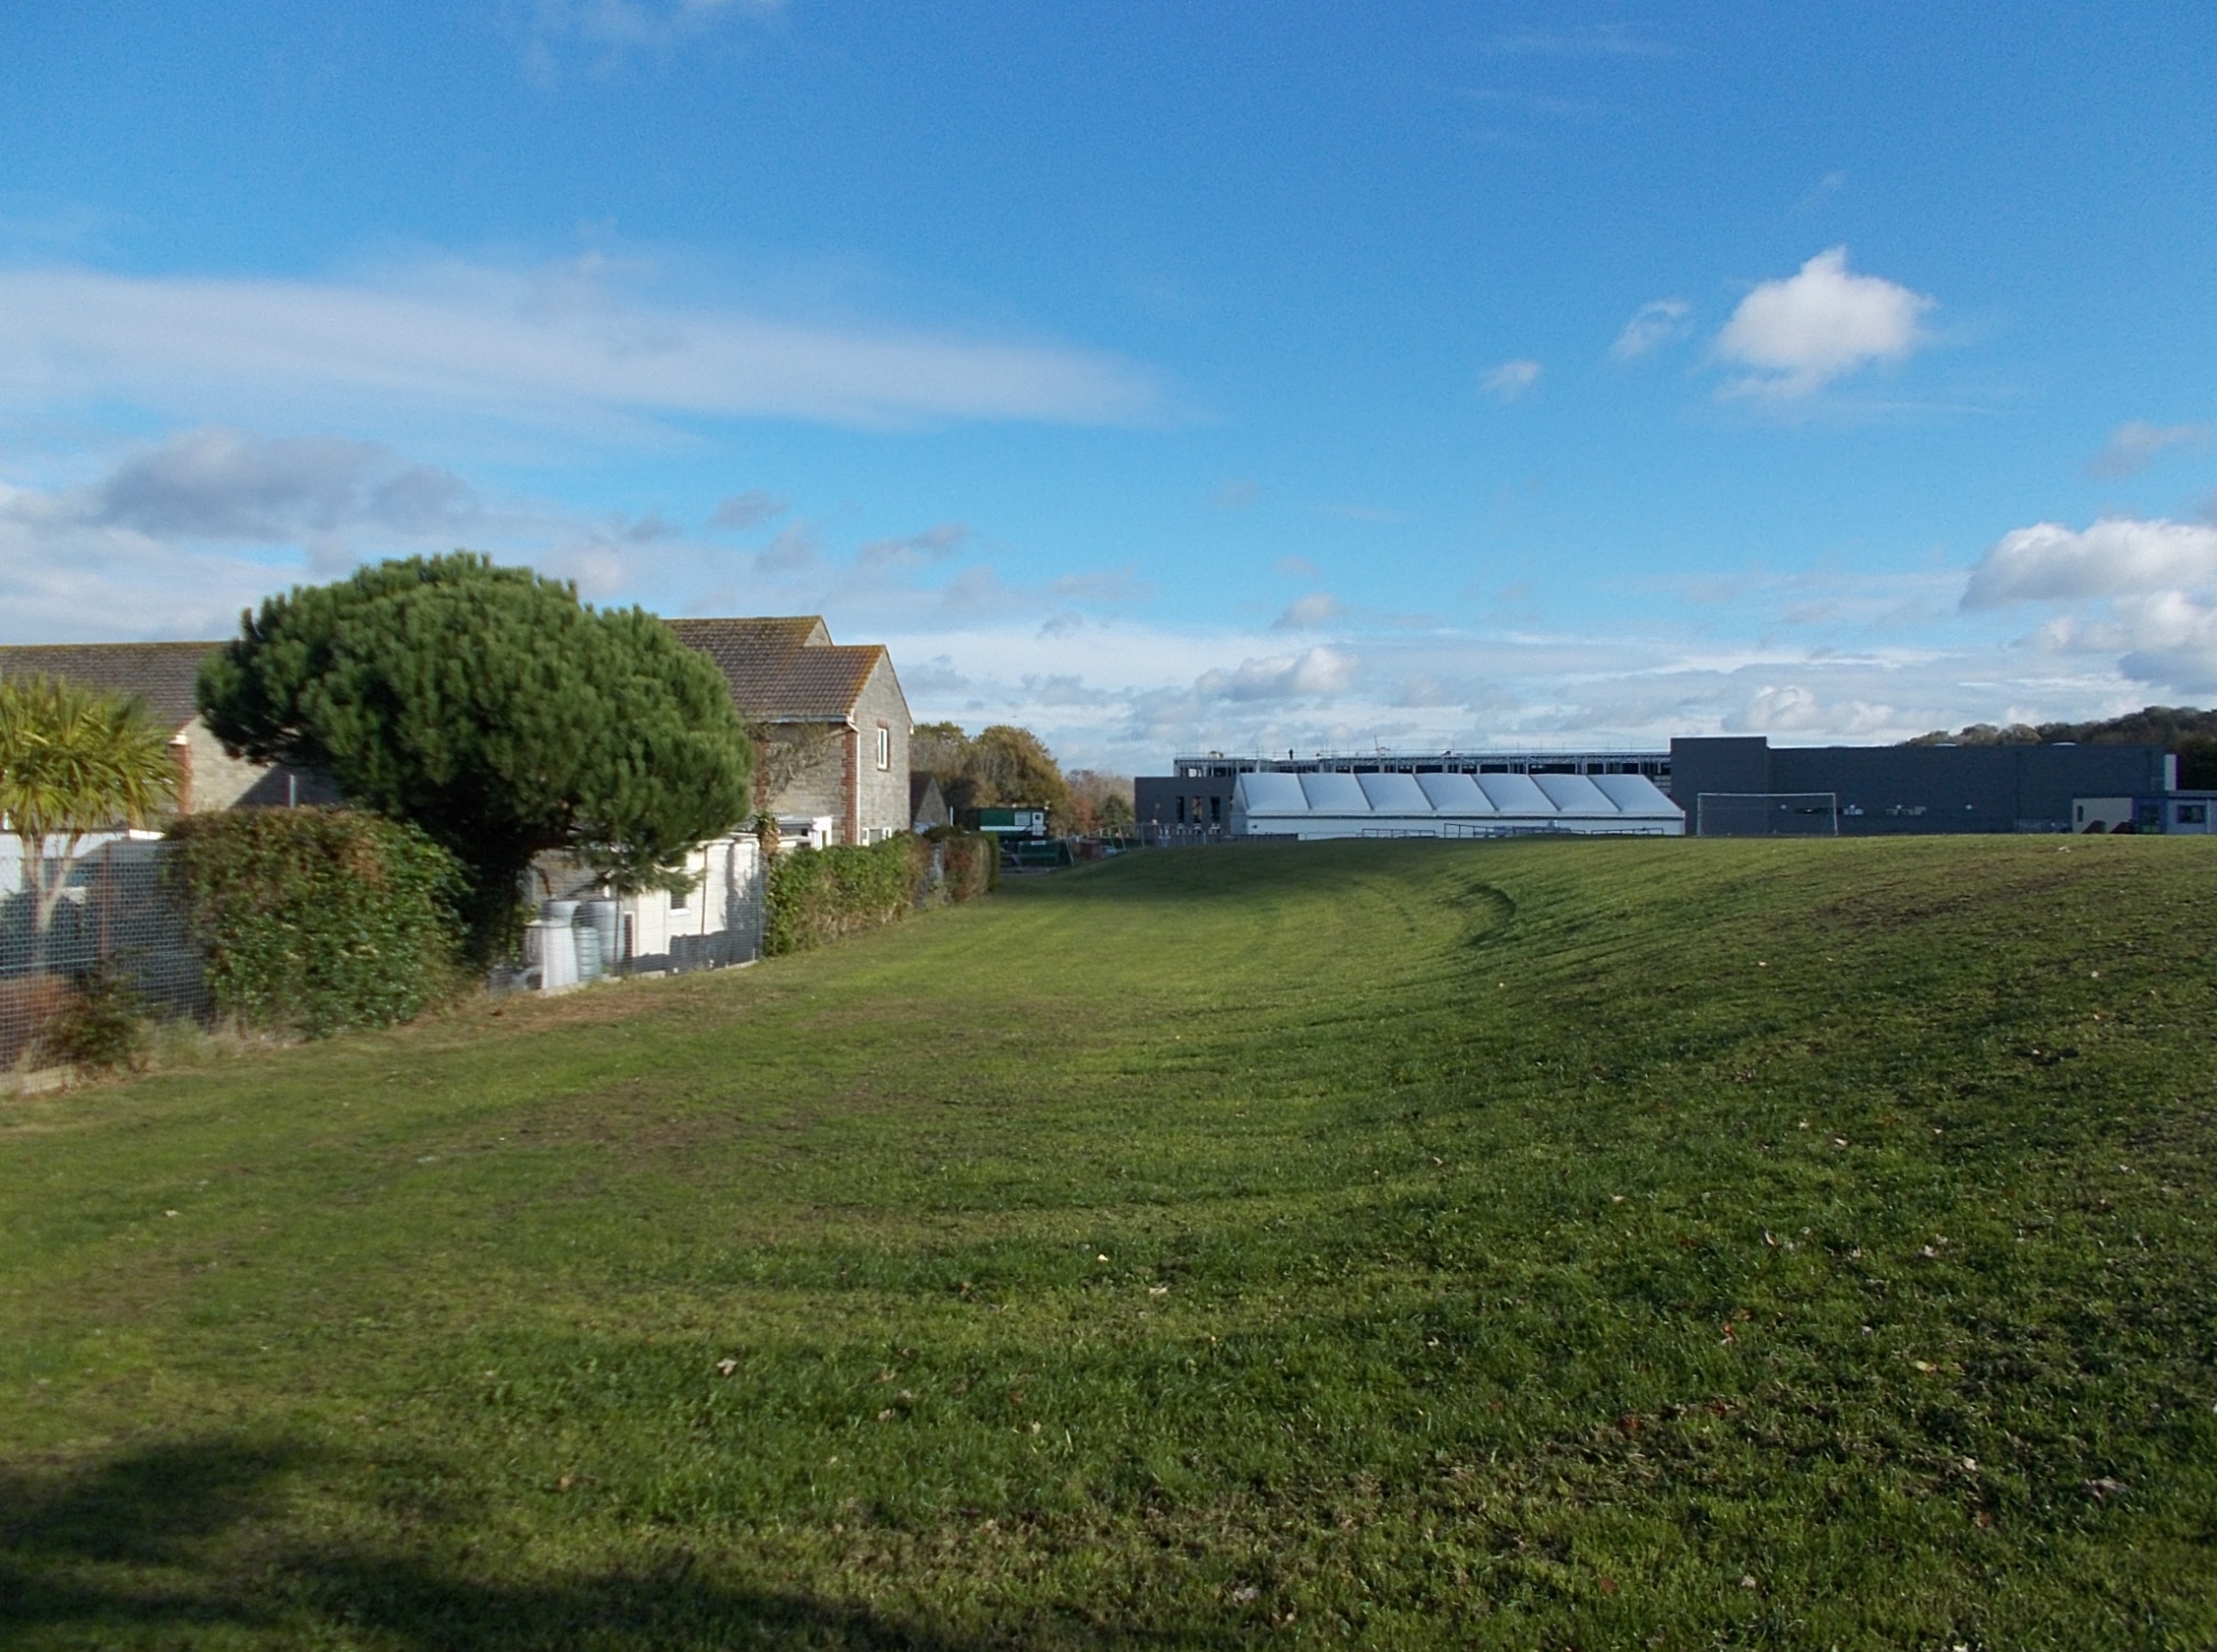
(1591, 1244)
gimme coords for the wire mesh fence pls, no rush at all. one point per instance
(94, 927)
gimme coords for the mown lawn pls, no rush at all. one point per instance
(1588, 1244)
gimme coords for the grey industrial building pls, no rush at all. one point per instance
(1193, 802)
(1736, 786)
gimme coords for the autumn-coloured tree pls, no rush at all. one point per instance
(1100, 803)
(1003, 765)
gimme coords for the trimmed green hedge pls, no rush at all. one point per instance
(314, 921)
(972, 862)
(818, 895)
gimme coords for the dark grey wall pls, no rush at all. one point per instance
(1155, 800)
(1732, 763)
(1920, 789)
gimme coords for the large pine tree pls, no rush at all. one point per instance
(493, 709)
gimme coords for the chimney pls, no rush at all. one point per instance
(180, 753)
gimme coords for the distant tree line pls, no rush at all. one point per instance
(1003, 766)
(2189, 732)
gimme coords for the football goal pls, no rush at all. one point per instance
(1768, 815)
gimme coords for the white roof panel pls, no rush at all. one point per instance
(1270, 794)
(1455, 795)
(1394, 793)
(1515, 795)
(1334, 794)
(1574, 795)
(1636, 794)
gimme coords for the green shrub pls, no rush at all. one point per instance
(100, 1026)
(314, 921)
(974, 862)
(817, 895)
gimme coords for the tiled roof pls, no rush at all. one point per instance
(162, 675)
(781, 669)
(785, 670)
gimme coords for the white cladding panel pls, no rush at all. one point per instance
(1270, 794)
(1334, 794)
(1455, 795)
(1574, 795)
(1392, 793)
(1638, 796)
(1515, 795)
(1330, 804)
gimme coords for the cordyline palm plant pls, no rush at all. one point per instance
(74, 761)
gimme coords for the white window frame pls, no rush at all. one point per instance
(884, 747)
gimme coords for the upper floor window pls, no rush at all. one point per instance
(884, 747)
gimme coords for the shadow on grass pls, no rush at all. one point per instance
(160, 1548)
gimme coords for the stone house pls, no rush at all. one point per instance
(927, 805)
(162, 675)
(832, 723)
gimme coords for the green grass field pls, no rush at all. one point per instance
(1549, 1244)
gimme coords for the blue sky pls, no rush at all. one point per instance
(1161, 377)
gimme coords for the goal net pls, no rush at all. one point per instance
(1768, 815)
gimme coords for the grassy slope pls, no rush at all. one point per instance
(1616, 1243)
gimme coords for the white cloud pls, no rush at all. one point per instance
(2049, 562)
(1792, 709)
(1126, 693)
(1307, 613)
(1653, 325)
(1316, 672)
(741, 511)
(1596, 39)
(2139, 591)
(563, 344)
(914, 550)
(217, 483)
(793, 550)
(2173, 641)
(175, 537)
(645, 22)
(616, 28)
(2164, 637)
(2135, 444)
(1104, 585)
(1803, 332)
(1510, 379)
